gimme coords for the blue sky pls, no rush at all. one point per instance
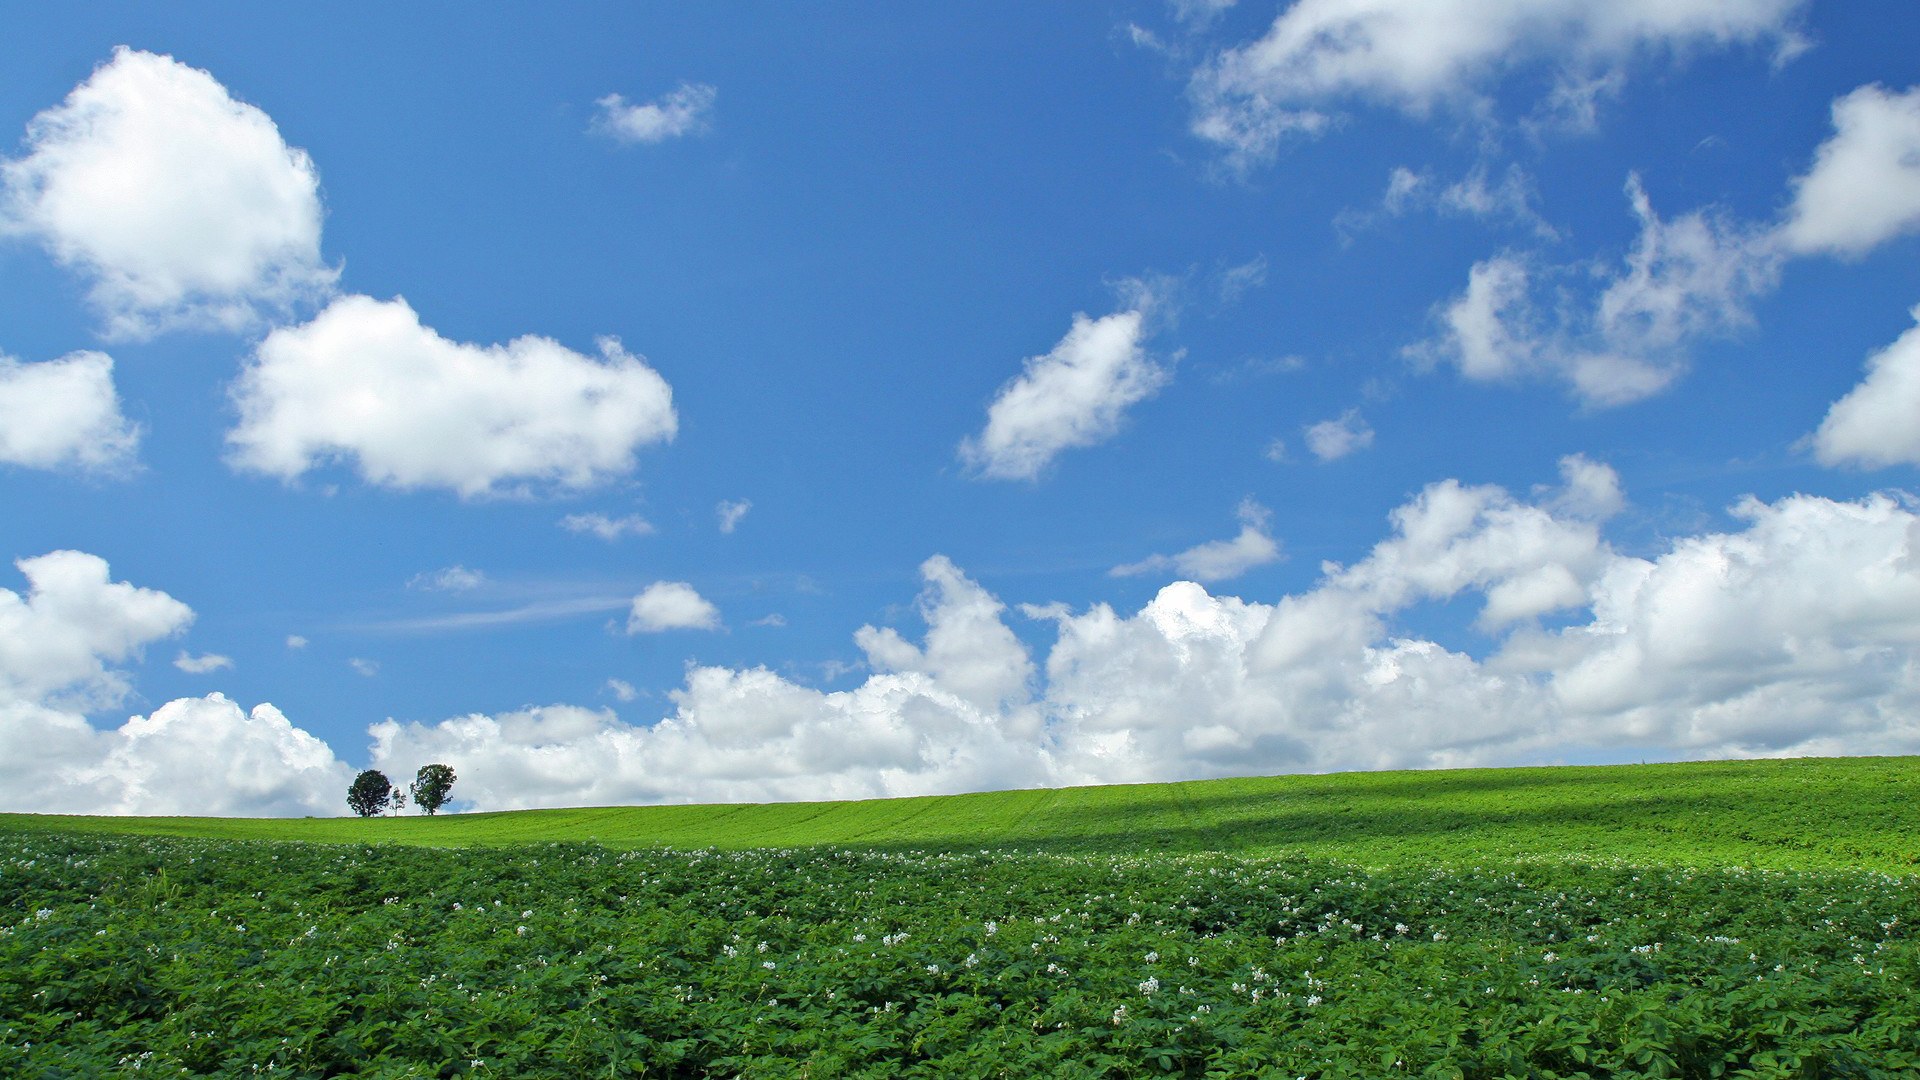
(632, 404)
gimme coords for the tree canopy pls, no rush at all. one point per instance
(431, 786)
(370, 793)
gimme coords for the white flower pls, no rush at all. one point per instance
(1150, 985)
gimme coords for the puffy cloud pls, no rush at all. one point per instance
(1218, 560)
(622, 690)
(685, 111)
(1331, 440)
(366, 381)
(607, 528)
(454, 578)
(730, 511)
(1414, 55)
(1685, 279)
(1075, 395)
(1878, 422)
(671, 605)
(295, 641)
(1796, 633)
(204, 756)
(64, 414)
(184, 206)
(1864, 187)
(969, 650)
(364, 667)
(203, 664)
(192, 756)
(57, 640)
(950, 718)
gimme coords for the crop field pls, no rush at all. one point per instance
(1448, 948)
(1835, 813)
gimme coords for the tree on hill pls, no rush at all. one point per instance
(431, 785)
(370, 793)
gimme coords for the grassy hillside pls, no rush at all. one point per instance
(1860, 813)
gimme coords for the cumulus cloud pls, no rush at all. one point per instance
(64, 414)
(203, 664)
(950, 717)
(182, 205)
(1218, 560)
(1418, 55)
(1076, 395)
(57, 640)
(295, 641)
(1878, 422)
(685, 111)
(730, 512)
(1864, 186)
(671, 605)
(1331, 440)
(607, 528)
(1793, 633)
(364, 667)
(366, 382)
(1686, 279)
(61, 645)
(622, 690)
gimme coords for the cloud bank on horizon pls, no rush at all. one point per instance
(289, 443)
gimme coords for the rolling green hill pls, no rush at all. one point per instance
(1838, 813)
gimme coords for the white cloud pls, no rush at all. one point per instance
(183, 206)
(774, 620)
(671, 605)
(1864, 187)
(730, 511)
(685, 111)
(58, 647)
(454, 578)
(64, 414)
(203, 664)
(1417, 55)
(1218, 560)
(1793, 634)
(952, 717)
(607, 528)
(366, 382)
(1685, 279)
(622, 690)
(1878, 422)
(57, 640)
(1331, 440)
(363, 667)
(1476, 195)
(295, 641)
(200, 756)
(1076, 395)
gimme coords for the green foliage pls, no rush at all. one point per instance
(431, 786)
(190, 957)
(1811, 814)
(370, 793)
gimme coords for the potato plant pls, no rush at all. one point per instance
(176, 957)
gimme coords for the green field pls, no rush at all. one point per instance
(1833, 813)
(1750, 920)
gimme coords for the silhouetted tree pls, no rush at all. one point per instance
(431, 785)
(370, 793)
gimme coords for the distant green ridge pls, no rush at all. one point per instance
(1807, 813)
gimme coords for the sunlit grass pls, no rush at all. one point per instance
(1827, 813)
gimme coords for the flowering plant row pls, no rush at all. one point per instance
(175, 957)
